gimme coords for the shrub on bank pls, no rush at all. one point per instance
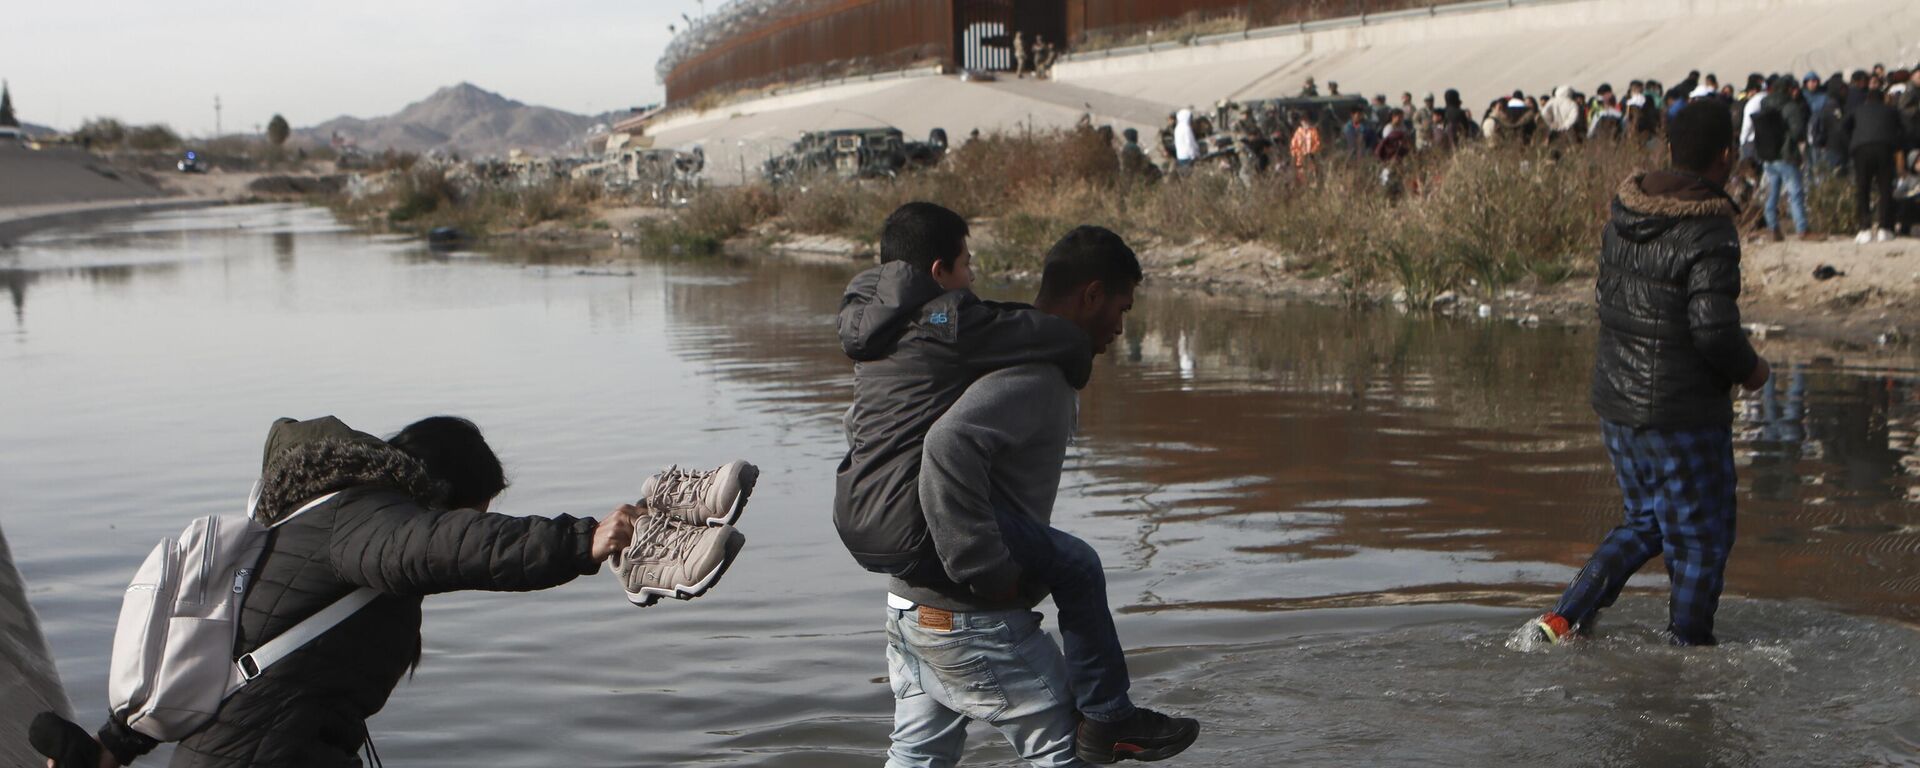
(1488, 217)
(424, 196)
(711, 218)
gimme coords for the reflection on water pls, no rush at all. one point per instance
(1319, 526)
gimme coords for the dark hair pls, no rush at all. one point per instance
(921, 234)
(1699, 135)
(454, 452)
(1085, 255)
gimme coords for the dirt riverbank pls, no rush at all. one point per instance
(1871, 303)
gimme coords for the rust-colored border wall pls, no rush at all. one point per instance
(865, 35)
(855, 36)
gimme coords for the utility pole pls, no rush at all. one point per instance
(216, 115)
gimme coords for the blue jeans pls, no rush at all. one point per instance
(1781, 173)
(1678, 487)
(1071, 569)
(993, 666)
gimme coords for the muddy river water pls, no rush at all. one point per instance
(1319, 526)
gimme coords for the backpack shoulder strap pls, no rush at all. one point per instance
(304, 508)
(252, 664)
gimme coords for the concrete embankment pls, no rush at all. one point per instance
(66, 187)
(28, 681)
(1484, 50)
(66, 175)
(1488, 49)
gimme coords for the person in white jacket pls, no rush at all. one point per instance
(1186, 146)
(1562, 115)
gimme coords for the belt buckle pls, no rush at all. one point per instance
(935, 619)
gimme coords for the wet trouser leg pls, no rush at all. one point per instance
(1696, 513)
(1071, 569)
(1682, 481)
(996, 667)
(1627, 547)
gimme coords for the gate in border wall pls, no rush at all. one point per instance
(984, 29)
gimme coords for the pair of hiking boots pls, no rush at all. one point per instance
(686, 540)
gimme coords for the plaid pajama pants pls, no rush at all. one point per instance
(1678, 487)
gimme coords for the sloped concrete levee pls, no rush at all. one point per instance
(1490, 48)
(1483, 49)
(28, 682)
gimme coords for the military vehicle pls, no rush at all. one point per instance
(657, 176)
(855, 153)
(664, 176)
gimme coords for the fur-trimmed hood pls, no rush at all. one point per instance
(305, 460)
(1640, 215)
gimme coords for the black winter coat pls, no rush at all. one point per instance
(917, 349)
(1670, 347)
(311, 708)
(1874, 123)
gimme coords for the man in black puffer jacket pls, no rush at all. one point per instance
(385, 530)
(1875, 137)
(1671, 348)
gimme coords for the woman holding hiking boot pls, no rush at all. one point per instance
(406, 519)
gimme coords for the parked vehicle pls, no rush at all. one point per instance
(856, 153)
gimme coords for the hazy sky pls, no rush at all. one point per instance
(164, 60)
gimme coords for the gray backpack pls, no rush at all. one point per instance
(173, 651)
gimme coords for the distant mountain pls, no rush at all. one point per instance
(31, 129)
(464, 118)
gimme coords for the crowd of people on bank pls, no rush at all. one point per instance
(1792, 132)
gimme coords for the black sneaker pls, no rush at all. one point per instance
(1146, 736)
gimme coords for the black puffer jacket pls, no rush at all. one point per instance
(311, 708)
(1671, 346)
(917, 349)
(1874, 124)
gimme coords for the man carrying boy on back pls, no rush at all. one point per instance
(920, 339)
(1671, 348)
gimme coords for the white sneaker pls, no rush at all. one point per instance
(670, 557)
(1882, 236)
(701, 497)
(1865, 236)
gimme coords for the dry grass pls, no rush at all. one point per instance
(713, 217)
(421, 197)
(1483, 217)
